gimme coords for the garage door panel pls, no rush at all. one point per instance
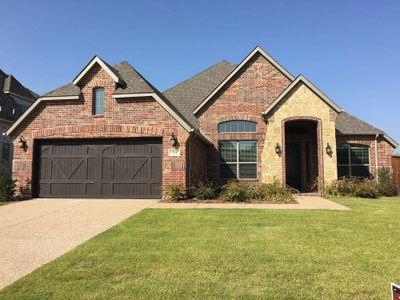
(100, 169)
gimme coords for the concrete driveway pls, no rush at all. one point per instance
(35, 232)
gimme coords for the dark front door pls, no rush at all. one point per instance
(99, 168)
(293, 165)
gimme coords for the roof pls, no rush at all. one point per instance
(302, 79)
(187, 95)
(134, 83)
(257, 50)
(347, 124)
(97, 60)
(131, 84)
(12, 85)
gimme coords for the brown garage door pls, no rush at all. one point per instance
(98, 168)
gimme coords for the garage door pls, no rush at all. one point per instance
(98, 169)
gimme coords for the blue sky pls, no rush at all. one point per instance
(349, 49)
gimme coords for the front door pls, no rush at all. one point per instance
(293, 165)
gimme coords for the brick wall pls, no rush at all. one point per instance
(197, 156)
(122, 118)
(385, 150)
(245, 97)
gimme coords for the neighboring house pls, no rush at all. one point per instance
(111, 134)
(14, 100)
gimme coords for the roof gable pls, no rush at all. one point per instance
(312, 87)
(188, 94)
(256, 50)
(97, 60)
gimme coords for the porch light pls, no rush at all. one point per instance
(278, 149)
(328, 149)
(174, 140)
(22, 143)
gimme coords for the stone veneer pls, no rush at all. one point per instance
(300, 103)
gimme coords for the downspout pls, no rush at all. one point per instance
(376, 157)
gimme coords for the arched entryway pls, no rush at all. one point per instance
(302, 163)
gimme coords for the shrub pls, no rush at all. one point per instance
(204, 191)
(386, 185)
(175, 192)
(274, 192)
(7, 184)
(237, 192)
(354, 187)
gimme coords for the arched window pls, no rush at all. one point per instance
(353, 160)
(237, 126)
(98, 101)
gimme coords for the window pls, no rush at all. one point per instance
(353, 161)
(238, 159)
(98, 101)
(22, 107)
(5, 152)
(237, 126)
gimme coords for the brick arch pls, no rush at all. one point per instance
(99, 130)
(319, 148)
(238, 117)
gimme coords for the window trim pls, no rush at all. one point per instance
(237, 163)
(94, 98)
(246, 121)
(349, 165)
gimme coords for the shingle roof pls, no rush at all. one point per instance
(134, 83)
(187, 95)
(349, 124)
(11, 84)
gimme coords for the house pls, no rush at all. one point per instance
(111, 134)
(14, 100)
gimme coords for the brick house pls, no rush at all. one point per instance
(14, 100)
(111, 134)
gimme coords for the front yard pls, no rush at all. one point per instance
(211, 253)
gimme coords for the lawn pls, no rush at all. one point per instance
(211, 253)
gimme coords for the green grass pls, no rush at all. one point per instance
(210, 253)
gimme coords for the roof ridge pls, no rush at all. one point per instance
(201, 72)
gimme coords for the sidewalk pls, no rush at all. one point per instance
(304, 202)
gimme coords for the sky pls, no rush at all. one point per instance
(349, 49)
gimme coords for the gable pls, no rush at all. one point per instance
(302, 81)
(97, 61)
(257, 52)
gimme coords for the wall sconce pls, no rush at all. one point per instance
(278, 149)
(173, 140)
(22, 143)
(328, 149)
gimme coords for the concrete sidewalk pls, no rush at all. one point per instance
(304, 202)
(37, 231)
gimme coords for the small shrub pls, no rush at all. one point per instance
(205, 191)
(273, 192)
(237, 192)
(7, 184)
(386, 185)
(175, 192)
(353, 187)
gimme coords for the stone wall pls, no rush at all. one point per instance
(300, 103)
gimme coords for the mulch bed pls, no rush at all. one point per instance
(221, 201)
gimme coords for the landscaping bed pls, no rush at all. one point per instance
(234, 192)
